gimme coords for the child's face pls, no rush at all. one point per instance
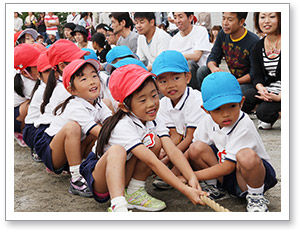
(143, 26)
(86, 86)
(145, 103)
(29, 39)
(227, 114)
(33, 73)
(173, 85)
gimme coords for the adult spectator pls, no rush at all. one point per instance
(122, 24)
(18, 22)
(41, 27)
(265, 97)
(84, 22)
(80, 34)
(192, 41)
(152, 40)
(234, 42)
(51, 38)
(204, 19)
(104, 18)
(73, 17)
(30, 21)
(112, 38)
(51, 22)
(68, 29)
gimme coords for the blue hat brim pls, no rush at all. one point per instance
(215, 103)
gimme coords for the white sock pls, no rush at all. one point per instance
(135, 185)
(259, 190)
(212, 182)
(119, 204)
(74, 170)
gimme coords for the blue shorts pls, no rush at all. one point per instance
(18, 124)
(230, 183)
(39, 133)
(45, 153)
(86, 170)
(29, 134)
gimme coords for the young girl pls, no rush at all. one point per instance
(128, 145)
(29, 131)
(266, 79)
(25, 62)
(76, 125)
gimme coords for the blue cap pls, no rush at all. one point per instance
(90, 55)
(122, 62)
(220, 88)
(170, 61)
(119, 52)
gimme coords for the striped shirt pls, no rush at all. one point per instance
(51, 19)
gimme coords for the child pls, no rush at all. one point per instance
(240, 163)
(74, 129)
(180, 108)
(101, 46)
(25, 36)
(128, 145)
(43, 67)
(25, 62)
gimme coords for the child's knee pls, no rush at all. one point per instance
(72, 128)
(248, 158)
(116, 152)
(195, 150)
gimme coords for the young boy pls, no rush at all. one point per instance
(180, 107)
(240, 162)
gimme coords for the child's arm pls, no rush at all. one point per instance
(96, 130)
(148, 157)
(216, 171)
(185, 143)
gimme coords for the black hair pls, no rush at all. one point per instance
(111, 122)
(241, 15)
(102, 26)
(83, 14)
(99, 38)
(148, 15)
(120, 16)
(50, 86)
(19, 84)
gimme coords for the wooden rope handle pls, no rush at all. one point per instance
(214, 205)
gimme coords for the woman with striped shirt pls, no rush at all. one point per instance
(266, 77)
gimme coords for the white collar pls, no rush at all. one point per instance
(181, 102)
(229, 129)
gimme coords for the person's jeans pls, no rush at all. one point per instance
(193, 67)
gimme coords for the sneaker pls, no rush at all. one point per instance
(143, 201)
(257, 203)
(79, 187)
(112, 208)
(35, 157)
(264, 125)
(214, 192)
(160, 184)
(50, 172)
(19, 138)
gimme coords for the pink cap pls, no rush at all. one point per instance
(64, 50)
(43, 62)
(126, 79)
(74, 66)
(25, 55)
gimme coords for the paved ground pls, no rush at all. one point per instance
(36, 191)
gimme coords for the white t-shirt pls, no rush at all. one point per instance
(81, 111)
(131, 132)
(186, 114)
(35, 104)
(105, 92)
(159, 43)
(27, 90)
(75, 19)
(59, 94)
(89, 45)
(229, 140)
(197, 39)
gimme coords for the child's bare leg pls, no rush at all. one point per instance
(23, 109)
(87, 145)
(250, 169)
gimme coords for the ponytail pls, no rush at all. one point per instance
(36, 86)
(51, 84)
(19, 85)
(62, 105)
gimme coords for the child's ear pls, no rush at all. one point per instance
(202, 107)
(70, 90)
(123, 107)
(242, 101)
(188, 77)
(23, 72)
(62, 66)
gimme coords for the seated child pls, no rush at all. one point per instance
(227, 147)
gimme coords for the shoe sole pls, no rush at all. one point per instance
(76, 192)
(132, 206)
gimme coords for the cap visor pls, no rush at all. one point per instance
(215, 103)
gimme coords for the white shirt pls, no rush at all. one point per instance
(59, 94)
(89, 45)
(18, 23)
(75, 19)
(186, 114)
(197, 39)
(159, 43)
(81, 111)
(35, 104)
(27, 90)
(105, 92)
(230, 140)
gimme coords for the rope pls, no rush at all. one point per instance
(214, 205)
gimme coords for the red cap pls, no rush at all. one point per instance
(25, 55)
(74, 66)
(64, 50)
(16, 36)
(39, 46)
(43, 62)
(126, 79)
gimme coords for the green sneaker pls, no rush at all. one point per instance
(143, 201)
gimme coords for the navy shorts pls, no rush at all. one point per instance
(29, 134)
(230, 183)
(86, 170)
(18, 124)
(44, 151)
(39, 133)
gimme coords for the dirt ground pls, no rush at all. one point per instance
(37, 191)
